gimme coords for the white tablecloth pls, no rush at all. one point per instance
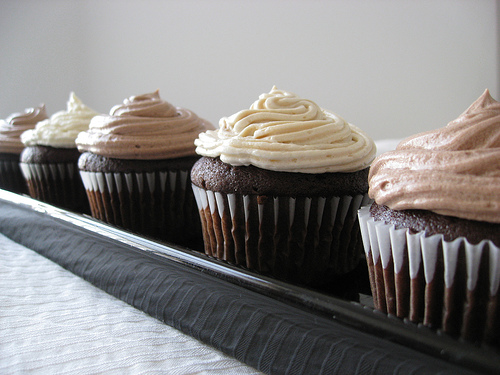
(53, 322)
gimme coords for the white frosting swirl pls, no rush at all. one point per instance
(62, 128)
(283, 132)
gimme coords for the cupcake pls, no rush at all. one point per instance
(50, 158)
(11, 177)
(432, 235)
(135, 166)
(278, 188)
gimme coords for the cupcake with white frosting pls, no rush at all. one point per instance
(49, 159)
(11, 177)
(278, 188)
(135, 165)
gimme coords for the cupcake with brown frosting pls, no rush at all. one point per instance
(279, 186)
(432, 236)
(11, 177)
(135, 165)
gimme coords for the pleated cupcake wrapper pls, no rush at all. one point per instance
(57, 184)
(305, 240)
(11, 177)
(156, 204)
(451, 286)
(49, 171)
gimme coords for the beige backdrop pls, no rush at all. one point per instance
(392, 67)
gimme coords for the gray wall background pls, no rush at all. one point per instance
(392, 67)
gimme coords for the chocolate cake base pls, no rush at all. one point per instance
(148, 197)
(292, 226)
(431, 223)
(52, 176)
(11, 177)
(446, 281)
(215, 175)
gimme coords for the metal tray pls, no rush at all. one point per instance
(273, 326)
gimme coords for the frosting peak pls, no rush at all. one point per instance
(452, 171)
(17, 123)
(147, 105)
(476, 128)
(61, 129)
(283, 132)
(143, 127)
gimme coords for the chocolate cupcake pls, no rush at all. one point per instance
(135, 165)
(11, 177)
(49, 160)
(432, 236)
(278, 189)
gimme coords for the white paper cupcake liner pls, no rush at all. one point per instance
(57, 184)
(156, 204)
(304, 240)
(451, 286)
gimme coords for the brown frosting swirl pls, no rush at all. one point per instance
(453, 171)
(144, 127)
(12, 128)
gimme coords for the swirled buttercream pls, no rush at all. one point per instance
(144, 127)
(62, 128)
(283, 132)
(17, 123)
(453, 171)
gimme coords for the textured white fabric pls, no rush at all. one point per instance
(53, 322)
